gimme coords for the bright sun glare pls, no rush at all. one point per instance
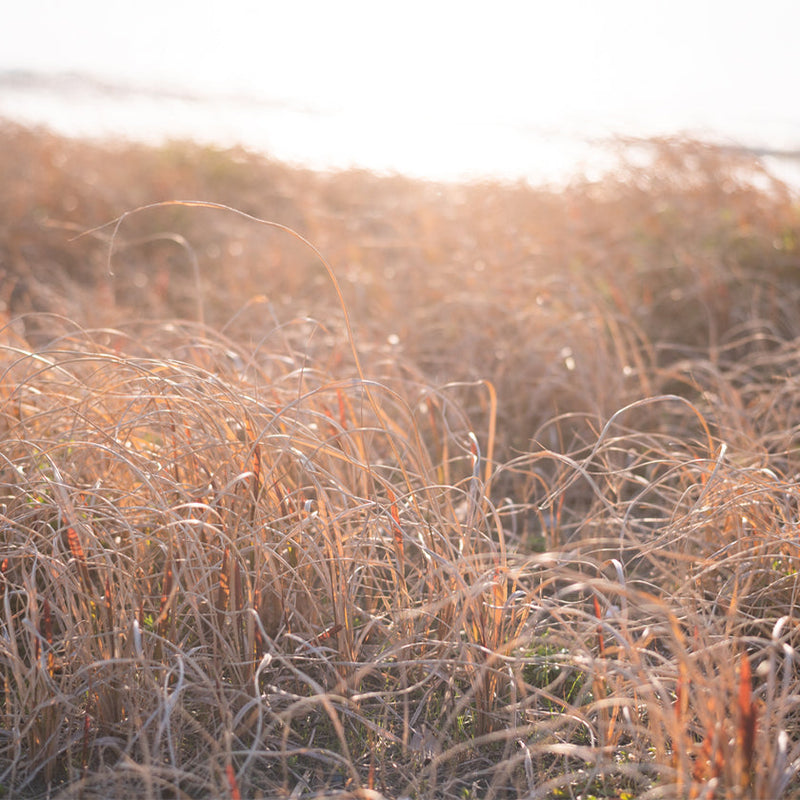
(428, 87)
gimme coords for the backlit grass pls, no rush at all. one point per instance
(491, 491)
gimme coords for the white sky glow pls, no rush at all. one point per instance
(432, 77)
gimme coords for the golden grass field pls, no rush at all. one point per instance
(355, 486)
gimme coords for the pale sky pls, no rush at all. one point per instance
(571, 64)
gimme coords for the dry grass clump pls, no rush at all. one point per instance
(228, 574)
(222, 574)
(499, 501)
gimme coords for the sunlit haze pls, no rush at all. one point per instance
(440, 89)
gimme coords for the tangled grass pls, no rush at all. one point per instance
(528, 527)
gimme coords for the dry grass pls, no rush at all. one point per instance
(528, 529)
